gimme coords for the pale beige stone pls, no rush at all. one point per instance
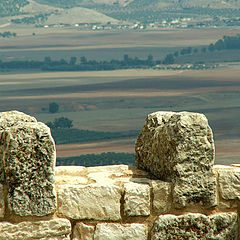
(83, 231)
(161, 196)
(73, 180)
(229, 183)
(101, 178)
(136, 199)
(110, 168)
(116, 231)
(93, 201)
(27, 165)
(57, 229)
(219, 226)
(70, 171)
(179, 148)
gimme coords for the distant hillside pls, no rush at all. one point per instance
(84, 3)
(78, 15)
(33, 12)
(145, 11)
(177, 4)
(159, 10)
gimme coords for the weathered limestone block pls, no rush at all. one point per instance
(83, 231)
(179, 148)
(229, 183)
(9, 119)
(27, 162)
(136, 199)
(219, 226)
(116, 231)
(93, 201)
(161, 196)
(57, 229)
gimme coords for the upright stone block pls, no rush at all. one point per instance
(27, 162)
(179, 148)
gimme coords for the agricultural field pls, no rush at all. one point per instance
(119, 101)
(65, 43)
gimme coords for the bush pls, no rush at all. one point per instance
(61, 122)
(53, 107)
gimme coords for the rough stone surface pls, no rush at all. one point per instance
(229, 184)
(2, 202)
(83, 231)
(57, 229)
(9, 119)
(161, 196)
(93, 201)
(27, 156)
(179, 148)
(115, 231)
(136, 199)
(220, 226)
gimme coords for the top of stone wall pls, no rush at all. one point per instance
(176, 148)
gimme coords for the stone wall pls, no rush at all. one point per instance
(176, 191)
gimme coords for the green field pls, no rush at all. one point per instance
(119, 101)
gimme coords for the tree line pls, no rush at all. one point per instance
(103, 159)
(83, 64)
(7, 34)
(74, 135)
(226, 43)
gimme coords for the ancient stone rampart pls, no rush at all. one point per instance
(176, 191)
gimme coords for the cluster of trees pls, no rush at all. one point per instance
(53, 107)
(170, 58)
(74, 135)
(8, 34)
(61, 122)
(31, 20)
(228, 42)
(11, 7)
(103, 159)
(91, 65)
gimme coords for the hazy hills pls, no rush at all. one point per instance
(145, 11)
(44, 12)
(177, 4)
